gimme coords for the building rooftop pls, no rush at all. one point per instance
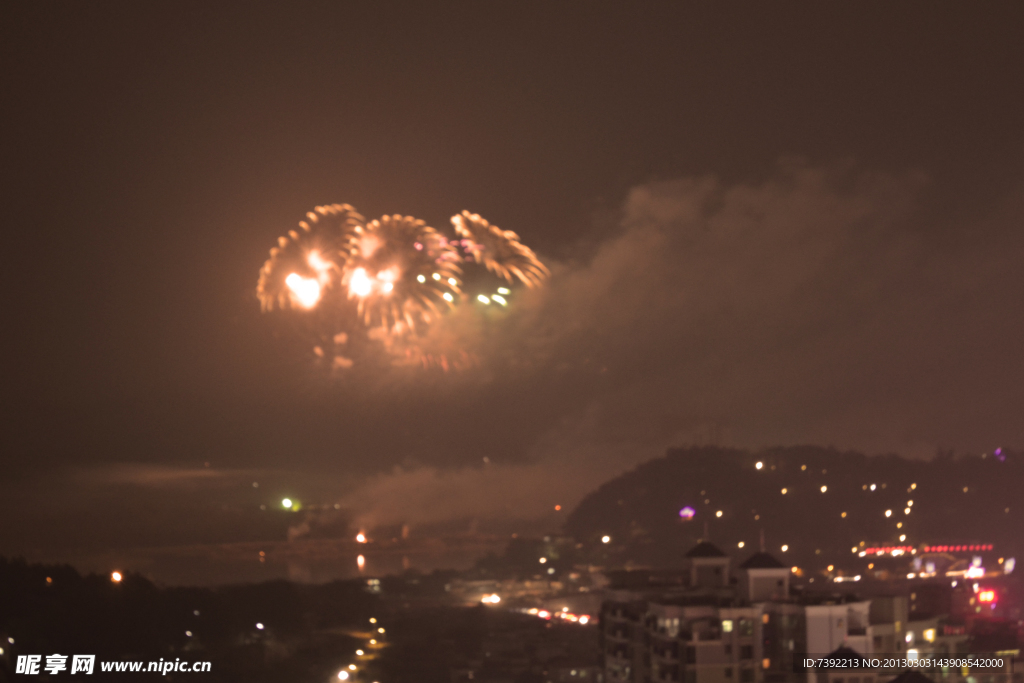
(705, 549)
(762, 560)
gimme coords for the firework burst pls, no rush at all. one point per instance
(403, 273)
(500, 251)
(355, 288)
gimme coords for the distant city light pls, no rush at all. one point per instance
(557, 508)
(784, 491)
(740, 544)
(543, 560)
(492, 599)
(373, 620)
(482, 298)
(361, 561)
(380, 630)
(987, 596)
(1009, 565)
(351, 667)
(286, 503)
(115, 577)
(259, 626)
(965, 489)
(359, 653)
(888, 513)
(903, 537)
(606, 539)
(910, 503)
(824, 488)
(342, 675)
(843, 515)
(687, 513)
(831, 567)
(759, 465)
(906, 511)
(872, 487)
(913, 486)
(785, 548)
(803, 467)
(718, 514)
(504, 290)
(360, 537)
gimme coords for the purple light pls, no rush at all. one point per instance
(999, 454)
(687, 513)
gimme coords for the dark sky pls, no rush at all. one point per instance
(768, 225)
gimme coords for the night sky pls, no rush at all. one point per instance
(766, 225)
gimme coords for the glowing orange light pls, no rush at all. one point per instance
(306, 290)
(987, 596)
(361, 537)
(317, 263)
(360, 284)
(115, 577)
(361, 561)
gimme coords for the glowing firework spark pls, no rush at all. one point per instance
(314, 253)
(401, 270)
(500, 251)
(388, 285)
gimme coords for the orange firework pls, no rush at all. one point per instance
(500, 251)
(401, 270)
(384, 288)
(307, 262)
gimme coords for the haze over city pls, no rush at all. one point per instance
(752, 227)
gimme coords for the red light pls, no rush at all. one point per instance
(987, 596)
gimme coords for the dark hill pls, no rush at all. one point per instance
(964, 500)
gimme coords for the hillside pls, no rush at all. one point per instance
(963, 500)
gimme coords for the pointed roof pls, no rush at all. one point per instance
(762, 560)
(705, 549)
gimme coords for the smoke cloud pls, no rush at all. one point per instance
(817, 306)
